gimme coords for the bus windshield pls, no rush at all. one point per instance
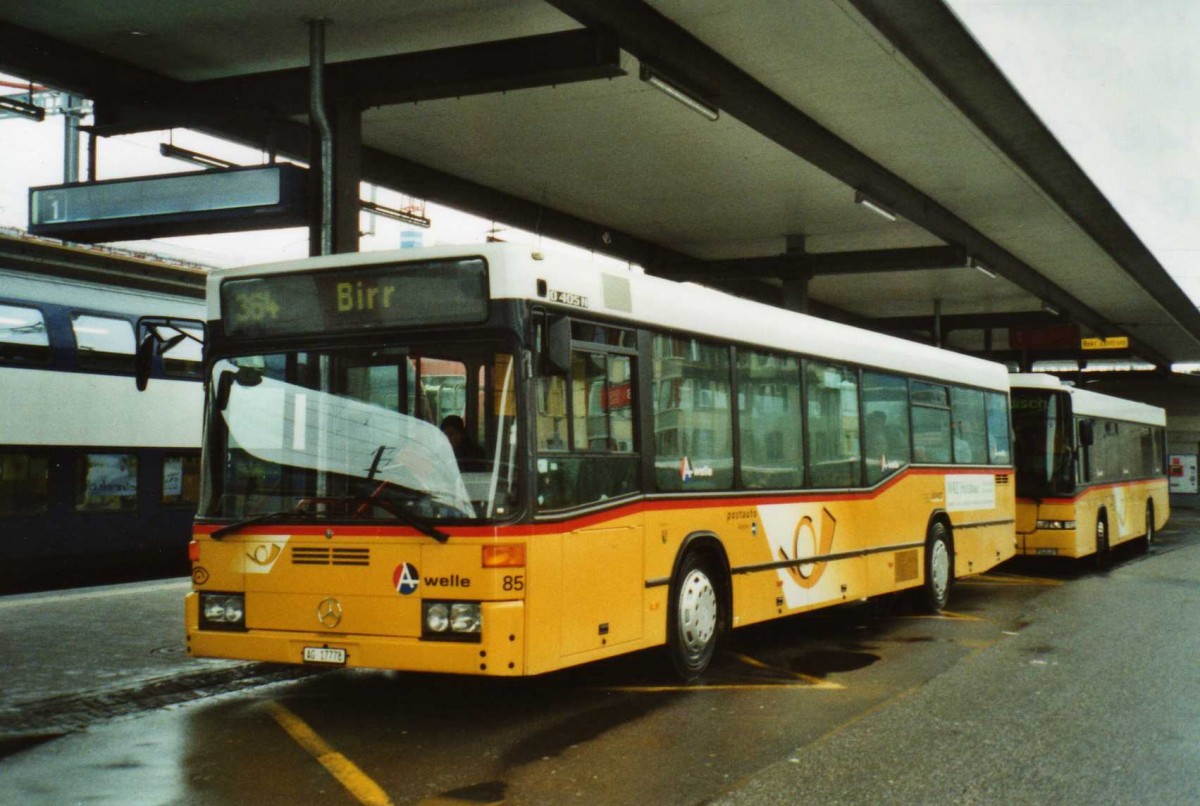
(1044, 456)
(387, 434)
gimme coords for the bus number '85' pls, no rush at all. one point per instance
(514, 583)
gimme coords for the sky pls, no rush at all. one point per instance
(1116, 81)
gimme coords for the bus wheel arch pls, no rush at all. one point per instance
(934, 593)
(700, 604)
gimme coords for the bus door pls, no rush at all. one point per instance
(588, 461)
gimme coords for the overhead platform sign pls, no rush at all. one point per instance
(195, 203)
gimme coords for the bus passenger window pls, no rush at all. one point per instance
(693, 417)
(970, 426)
(999, 436)
(23, 335)
(769, 421)
(885, 407)
(833, 451)
(931, 423)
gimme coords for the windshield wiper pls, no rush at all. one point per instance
(420, 524)
(236, 526)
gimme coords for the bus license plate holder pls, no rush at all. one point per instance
(326, 656)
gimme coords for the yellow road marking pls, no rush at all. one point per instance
(343, 769)
(1010, 579)
(945, 615)
(813, 682)
(797, 686)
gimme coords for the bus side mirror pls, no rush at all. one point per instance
(558, 345)
(1087, 433)
(153, 341)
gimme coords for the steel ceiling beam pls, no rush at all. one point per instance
(487, 67)
(932, 38)
(677, 55)
(803, 266)
(967, 321)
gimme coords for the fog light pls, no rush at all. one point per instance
(464, 617)
(437, 617)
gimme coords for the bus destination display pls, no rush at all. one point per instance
(356, 299)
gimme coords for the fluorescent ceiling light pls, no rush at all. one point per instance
(981, 267)
(873, 206)
(690, 101)
(405, 216)
(193, 157)
(1050, 309)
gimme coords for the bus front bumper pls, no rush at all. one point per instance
(500, 652)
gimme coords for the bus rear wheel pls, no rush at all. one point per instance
(695, 617)
(939, 569)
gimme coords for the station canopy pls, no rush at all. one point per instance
(730, 142)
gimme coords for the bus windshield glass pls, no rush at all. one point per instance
(1045, 460)
(385, 434)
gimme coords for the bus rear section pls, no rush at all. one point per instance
(1091, 470)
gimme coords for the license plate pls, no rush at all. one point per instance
(323, 654)
(1047, 552)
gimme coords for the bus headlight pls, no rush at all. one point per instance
(464, 617)
(462, 621)
(437, 617)
(1056, 524)
(223, 611)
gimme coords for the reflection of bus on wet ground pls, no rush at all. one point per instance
(1091, 469)
(657, 463)
(97, 482)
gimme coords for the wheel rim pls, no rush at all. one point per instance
(697, 612)
(939, 569)
(1101, 536)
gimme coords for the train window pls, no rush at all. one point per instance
(181, 479)
(23, 335)
(24, 482)
(104, 343)
(183, 359)
(106, 482)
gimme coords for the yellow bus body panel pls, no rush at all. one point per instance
(594, 586)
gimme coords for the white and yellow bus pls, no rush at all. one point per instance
(1091, 469)
(646, 463)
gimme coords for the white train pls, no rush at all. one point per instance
(98, 482)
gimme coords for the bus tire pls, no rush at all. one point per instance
(1103, 549)
(694, 617)
(1148, 540)
(939, 568)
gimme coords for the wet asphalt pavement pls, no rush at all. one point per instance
(1045, 683)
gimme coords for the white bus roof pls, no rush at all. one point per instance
(1091, 403)
(516, 271)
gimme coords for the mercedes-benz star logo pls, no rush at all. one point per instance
(329, 612)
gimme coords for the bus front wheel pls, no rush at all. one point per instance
(939, 569)
(694, 617)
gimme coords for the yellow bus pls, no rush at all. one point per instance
(1091, 469)
(645, 463)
